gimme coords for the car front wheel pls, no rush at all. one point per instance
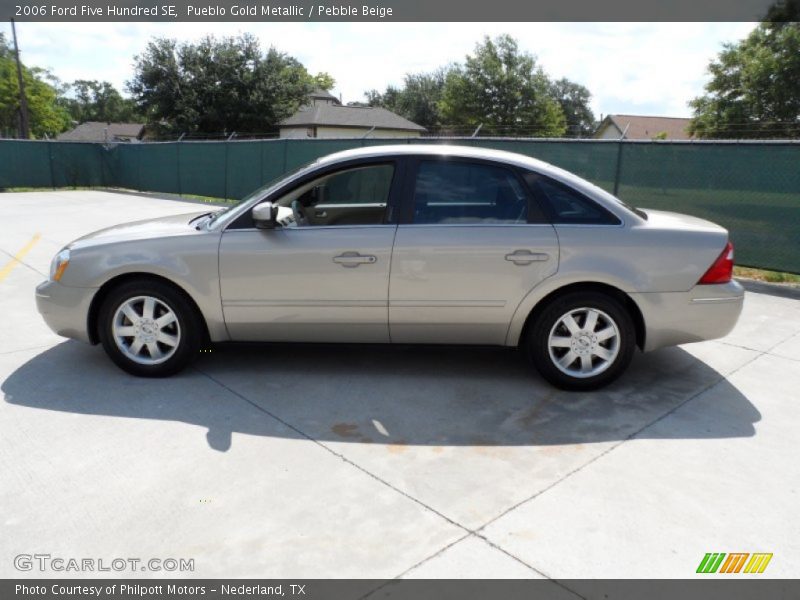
(149, 328)
(582, 341)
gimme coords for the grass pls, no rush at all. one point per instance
(768, 276)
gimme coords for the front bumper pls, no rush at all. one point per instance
(705, 312)
(65, 309)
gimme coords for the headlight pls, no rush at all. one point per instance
(59, 264)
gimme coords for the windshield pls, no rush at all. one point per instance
(260, 192)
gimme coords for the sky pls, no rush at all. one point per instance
(630, 68)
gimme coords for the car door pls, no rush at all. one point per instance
(473, 242)
(322, 274)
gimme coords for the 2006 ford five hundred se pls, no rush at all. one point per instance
(404, 244)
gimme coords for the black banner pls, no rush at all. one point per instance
(384, 10)
(713, 588)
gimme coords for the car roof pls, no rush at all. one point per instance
(439, 150)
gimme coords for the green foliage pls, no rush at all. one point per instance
(754, 90)
(419, 100)
(324, 81)
(218, 85)
(99, 101)
(574, 100)
(504, 89)
(46, 116)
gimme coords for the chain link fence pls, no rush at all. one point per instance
(751, 188)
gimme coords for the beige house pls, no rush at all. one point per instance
(325, 117)
(639, 127)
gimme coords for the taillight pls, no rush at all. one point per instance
(722, 269)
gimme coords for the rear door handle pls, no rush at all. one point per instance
(354, 259)
(526, 257)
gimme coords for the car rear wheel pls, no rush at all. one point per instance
(149, 328)
(582, 341)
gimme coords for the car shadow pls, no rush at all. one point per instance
(392, 395)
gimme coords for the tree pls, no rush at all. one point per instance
(503, 89)
(98, 101)
(218, 85)
(324, 81)
(46, 116)
(419, 100)
(574, 100)
(754, 91)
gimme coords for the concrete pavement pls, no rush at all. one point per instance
(383, 462)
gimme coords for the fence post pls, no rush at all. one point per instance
(261, 144)
(104, 150)
(50, 156)
(226, 167)
(178, 165)
(619, 168)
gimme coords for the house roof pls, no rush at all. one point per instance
(95, 131)
(640, 127)
(323, 95)
(359, 117)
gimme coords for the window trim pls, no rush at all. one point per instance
(244, 220)
(552, 216)
(409, 192)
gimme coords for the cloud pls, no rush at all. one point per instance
(650, 68)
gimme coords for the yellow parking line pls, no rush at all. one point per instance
(17, 258)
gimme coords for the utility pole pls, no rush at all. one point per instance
(24, 131)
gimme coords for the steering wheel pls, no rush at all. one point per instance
(299, 215)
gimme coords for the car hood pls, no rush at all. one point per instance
(141, 230)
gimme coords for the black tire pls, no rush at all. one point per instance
(188, 326)
(606, 307)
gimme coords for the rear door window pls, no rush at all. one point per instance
(459, 192)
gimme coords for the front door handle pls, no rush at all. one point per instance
(526, 257)
(354, 259)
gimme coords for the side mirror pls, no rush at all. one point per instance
(264, 215)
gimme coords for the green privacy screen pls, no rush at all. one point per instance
(753, 189)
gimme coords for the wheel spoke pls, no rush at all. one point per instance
(131, 314)
(605, 334)
(136, 346)
(125, 330)
(560, 341)
(165, 320)
(570, 324)
(166, 338)
(154, 350)
(566, 360)
(148, 310)
(603, 353)
(586, 363)
(591, 320)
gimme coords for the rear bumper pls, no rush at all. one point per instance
(705, 312)
(65, 309)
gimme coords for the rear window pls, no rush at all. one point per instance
(567, 206)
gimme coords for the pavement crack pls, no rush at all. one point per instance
(13, 258)
(335, 453)
(629, 437)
